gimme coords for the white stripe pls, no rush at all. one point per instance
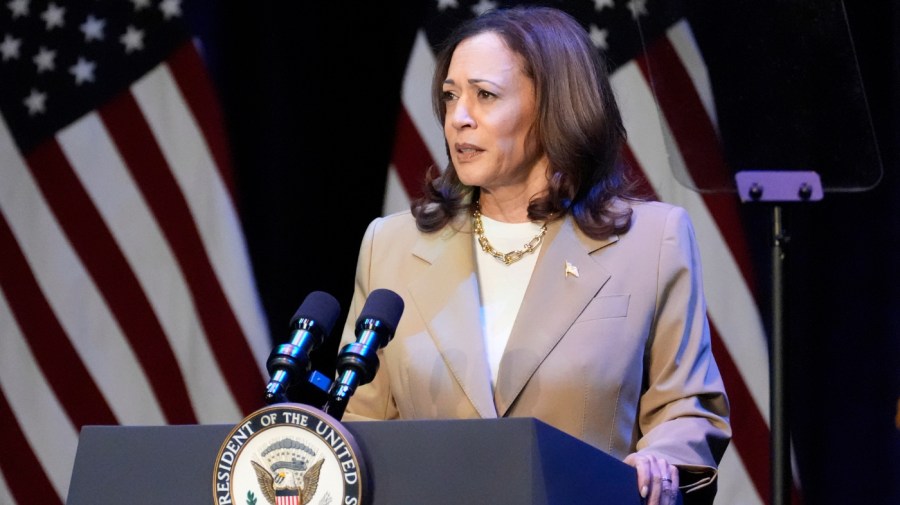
(682, 39)
(186, 151)
(417, 98)
(735, 486)
(71, 293)
(5, 492)
(41, 418)
(395, 196)
(732, 307)
(102, 172)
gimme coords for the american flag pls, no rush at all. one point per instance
(126, 294)
(663, 89)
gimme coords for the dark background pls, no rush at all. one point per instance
(311, 92)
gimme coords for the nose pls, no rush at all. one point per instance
(458, 115)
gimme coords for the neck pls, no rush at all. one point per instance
(505, 211)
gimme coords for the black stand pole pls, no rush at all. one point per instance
(780, 443)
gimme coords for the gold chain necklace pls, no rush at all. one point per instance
(512, 256)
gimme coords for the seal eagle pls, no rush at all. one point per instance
(288, 483)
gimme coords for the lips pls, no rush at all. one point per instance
(467, 152)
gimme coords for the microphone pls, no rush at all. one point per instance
(311, 324)
(357, 363)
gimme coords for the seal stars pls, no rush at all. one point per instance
(571, 269)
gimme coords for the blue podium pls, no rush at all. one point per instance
(486, 461)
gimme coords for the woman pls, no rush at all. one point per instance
(534, 285)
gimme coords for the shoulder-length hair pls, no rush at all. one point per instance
(578, 124)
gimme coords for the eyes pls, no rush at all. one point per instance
(480, 93)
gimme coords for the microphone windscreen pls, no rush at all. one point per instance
(383, 305)
(321, 307)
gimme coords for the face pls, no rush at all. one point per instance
(490, 110)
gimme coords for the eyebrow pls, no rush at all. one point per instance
(474, 81)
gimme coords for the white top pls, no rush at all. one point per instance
(502, 286)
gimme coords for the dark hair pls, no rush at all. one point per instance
(578, 123)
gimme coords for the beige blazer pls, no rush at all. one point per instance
(618, 356)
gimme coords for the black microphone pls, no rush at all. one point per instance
(357, 363)
(311, 324)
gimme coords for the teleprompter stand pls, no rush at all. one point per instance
(776, 187)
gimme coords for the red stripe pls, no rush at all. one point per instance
(148, 167)
(634, 171)
(749, 429)
(699, 146)
(410, 155)
(60, 364)
(118, 285)
(685, 114)
(189, 72)
(24, 475)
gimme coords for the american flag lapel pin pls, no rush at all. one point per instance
(571, 269)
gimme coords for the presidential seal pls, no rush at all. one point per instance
(289, 454)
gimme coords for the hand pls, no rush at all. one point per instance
(657, 478)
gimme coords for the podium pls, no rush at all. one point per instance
(481, 461)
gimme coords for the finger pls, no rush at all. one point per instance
(668, 482)
(658, 471)
(672, 490)
(642, 466)
(673, 474)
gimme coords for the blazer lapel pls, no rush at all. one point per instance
(448, 300)
(553, 301)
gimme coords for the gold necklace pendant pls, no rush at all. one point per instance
(512, 256)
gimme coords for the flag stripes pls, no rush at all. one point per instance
(61, 280)
(179, 132)
(158, 188)
(197, 89)
(410, 154)
(67, 376)
(688, 120)
(126, 294)
(31, 481)
(99, 252)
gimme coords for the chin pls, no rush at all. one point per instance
(469, 174)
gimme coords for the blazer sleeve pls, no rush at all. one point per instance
(684, 410)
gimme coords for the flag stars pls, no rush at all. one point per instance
(53, 16)
(18, 7)
(638, 8)
(483, 6)
(36, 102)
(140, 5)
(599, 37)
(599, 5)
(83, 71)
(45, 60)
(170, 8)
(93, 28)
(447, 4)
(9, 48)
(132, 39)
